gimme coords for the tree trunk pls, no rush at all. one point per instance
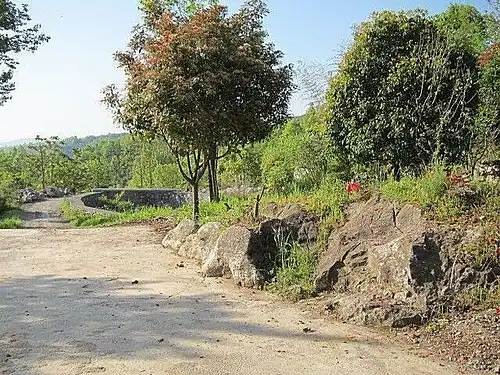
(211, 183)
(196, 202)
(397, 171)
(212, 175)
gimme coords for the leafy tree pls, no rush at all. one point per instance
(44, 151)
(207, 84)
(465, 26)
(298, 156)
(181, 8)
(494, 21)
(404, 95)
(16, 36)
(487, 129)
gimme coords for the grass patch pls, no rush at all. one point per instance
(327, 201)
(227, 211)
(425, 191)
(10, 220)
(444, 199)
(295, 270)
(479, 298)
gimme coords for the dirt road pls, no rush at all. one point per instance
(44, 214)
(111, 301)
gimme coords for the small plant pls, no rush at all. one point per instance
(437, 325)
(294, 268)
(116, 203)
(10, 220)
(480, 297)
(484, 251)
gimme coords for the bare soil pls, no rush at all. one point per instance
(44, 214)
(113, 301)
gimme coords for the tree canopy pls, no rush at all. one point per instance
(205, 83)
(405, 94)
(16, 35)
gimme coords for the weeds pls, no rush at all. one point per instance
(10, 220)
(294, 268)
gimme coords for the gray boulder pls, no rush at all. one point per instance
(29, 195)
(177, 236)
(242, 254)
(199, 244)
(383, 265)
(238, 250)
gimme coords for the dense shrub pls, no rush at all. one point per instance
(299, 156)
(404, 96)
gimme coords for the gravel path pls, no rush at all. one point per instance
(112, 301)
(45, 214)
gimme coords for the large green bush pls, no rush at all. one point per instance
(404, 95)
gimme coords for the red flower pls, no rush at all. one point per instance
(456, 179)
(498, 310)
(352, 187)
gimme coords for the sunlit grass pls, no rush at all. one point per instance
(10, 220)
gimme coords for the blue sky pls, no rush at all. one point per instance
(58, 87)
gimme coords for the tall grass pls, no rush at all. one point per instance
(293, 269)
(10, 220)
(425, 190)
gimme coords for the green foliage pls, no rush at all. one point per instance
(445, 200)
(116, 203)
(298, 156)
(10, 220)
(72, 144)
(181, 8)
(244, 167)
(465, 26)
(488, 119)
(155, 166)
(404, 95)
(17, 36)
(494, 21)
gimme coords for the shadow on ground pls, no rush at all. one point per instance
(44, 319)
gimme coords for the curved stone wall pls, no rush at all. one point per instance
(138, 197)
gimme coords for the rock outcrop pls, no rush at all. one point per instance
(244, 254)
(177, 236)
(388, 265)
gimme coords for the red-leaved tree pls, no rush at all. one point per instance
(206, 82)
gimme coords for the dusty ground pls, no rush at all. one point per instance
(471, 339)
(45, 214)
(112, 301)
